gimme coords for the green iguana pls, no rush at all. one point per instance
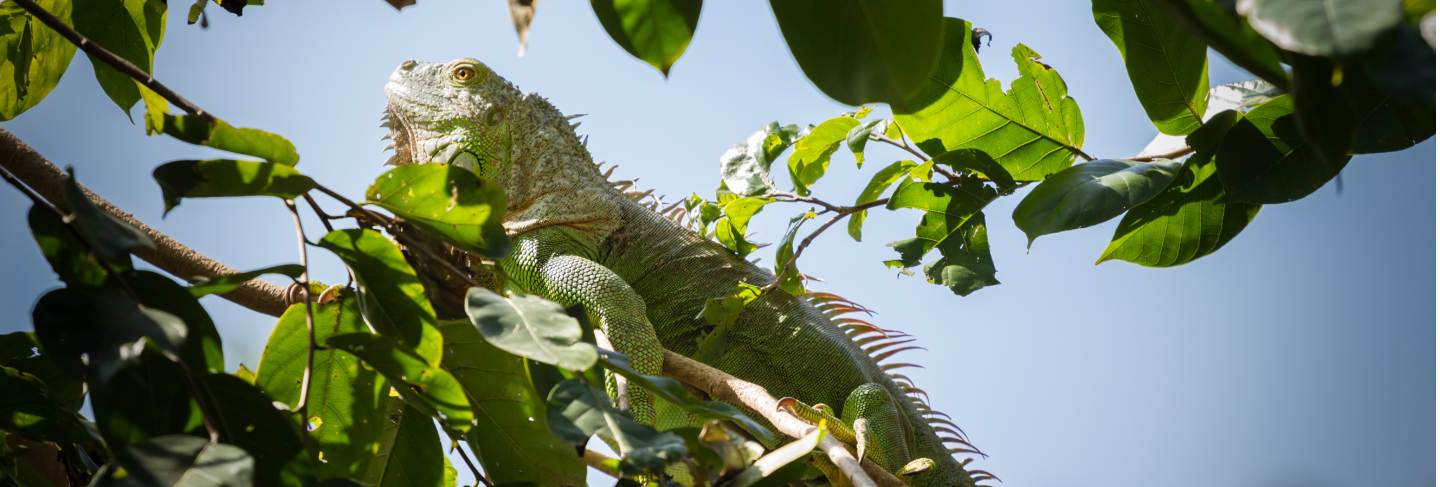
(578, 239)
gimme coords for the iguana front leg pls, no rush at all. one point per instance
(552, 264)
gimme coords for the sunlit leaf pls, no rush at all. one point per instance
(448, 202)
(512, 434)
(228, 178)
(531, 327)
(1166, 64)
(34, 56)
(655, 31)
(745, 167)
(132, 29)
(811, 157)
(392, 299)
(1240, 96)
(1033, 130)
(413, 455)
(723, 311)
(881, 181)
(425, 387)
(862, 51)
(788, 275)
(221, 135)
(730, 229)
(1091, 193)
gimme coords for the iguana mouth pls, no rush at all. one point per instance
(400, 138)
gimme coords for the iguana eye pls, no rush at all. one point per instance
(462, 73)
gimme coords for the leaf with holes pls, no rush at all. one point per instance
(531, 327)
(1166, 64)
(1033, 130)
(448, 202)
(965, 265)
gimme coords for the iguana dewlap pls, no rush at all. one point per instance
(580, 240)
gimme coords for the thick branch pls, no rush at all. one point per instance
(725, 387)
(169, 255)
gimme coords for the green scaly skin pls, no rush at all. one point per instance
(644, 279)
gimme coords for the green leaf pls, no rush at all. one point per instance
(789, 275)
(228, 178)
(776, 460)
(655, 31)
(28, 408)
(68, 256)
(858, 137)
(1033, 130)
(414, 456)
(965, 265)
(103, 324)
(124, 417)
(178, 460)
(730, 229)
(531, 327)
(811, 157)
(448, 202)
(1188, 220)
(247, 418)
(947, 207)
(1331, 28)
(745, 167)
(131, 29)
(34, 56)
(881, 181)
(1239, 96)
(204, 286)
(347, 401)
(862, 51)
(425, 387)
(1091, 193)
(577, 410)
(671, 390)
(723, 311)
(512, 435)
(1221, 28)
(1166, 64)
(202, 350)
(1263, 158)
(221, 135)
(23, 351)
(392, 299)
(1392, 93)
(107, 236)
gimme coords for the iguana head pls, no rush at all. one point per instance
(451, 113)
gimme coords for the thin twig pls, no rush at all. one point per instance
(1167, 155)
(112, 59)
(792, 197)
(320, 213)
(840, 214)
(460, 448)
(304, 283)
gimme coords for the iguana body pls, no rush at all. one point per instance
(579, 240)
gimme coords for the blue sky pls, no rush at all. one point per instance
(1301, 354)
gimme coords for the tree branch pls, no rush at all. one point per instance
(112, 59)
(169, 255)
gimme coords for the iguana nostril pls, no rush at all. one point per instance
(408, 65)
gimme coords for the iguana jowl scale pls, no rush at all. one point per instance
(577, 239)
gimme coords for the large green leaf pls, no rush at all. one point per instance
(425, 387)
(228, 177)
(730, 229)
(448, 202)
(1263, 158)
(247, 418)
(1322, 27)
(577, 410)
(745, 167)
(68, 256)
(1167, 65)
(811, 157)
(346, 406)
(131, 29)
(1222, 29)
(34, 56)
(531, 327)
(221, 135)
(1188, 220)
(862, 51)
(392, 299)
(1033, 130)
(511, 437)
(106, 326)
(1091, 193)
(179, 461)
(655, 31)
(881, 181)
